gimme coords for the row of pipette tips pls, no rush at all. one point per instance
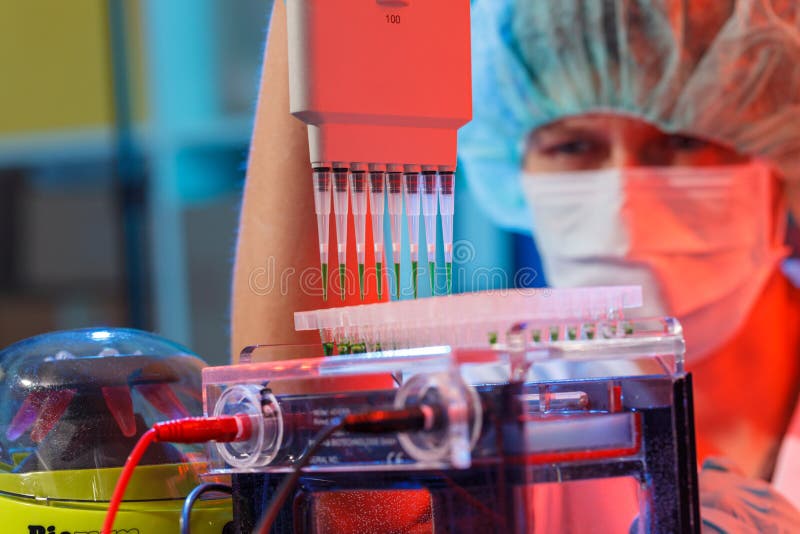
(421, 190)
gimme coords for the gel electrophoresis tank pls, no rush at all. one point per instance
(556, 414)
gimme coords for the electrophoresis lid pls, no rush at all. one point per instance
(73, 404)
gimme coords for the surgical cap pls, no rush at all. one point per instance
(723, 70)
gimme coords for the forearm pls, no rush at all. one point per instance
(277, 233)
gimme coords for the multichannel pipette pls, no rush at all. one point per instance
(340, 206)
(377, 183)
(358, 192)
(378, 123)
(322, 206)
(430, 193)
(411, 194)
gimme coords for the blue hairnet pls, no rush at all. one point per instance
(724, 70)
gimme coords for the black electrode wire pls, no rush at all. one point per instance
(199, 491)
(288, 484)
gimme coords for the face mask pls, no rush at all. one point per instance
(698, 240)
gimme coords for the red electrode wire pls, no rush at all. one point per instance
(194, 430)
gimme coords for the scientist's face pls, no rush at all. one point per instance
(606, 141)
(602, 141)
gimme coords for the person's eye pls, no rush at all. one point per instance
(576, 147)
(686, 143)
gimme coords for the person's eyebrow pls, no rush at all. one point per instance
(562, 129)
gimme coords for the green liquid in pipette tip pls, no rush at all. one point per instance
(361, 280)
(342, 278)
(449, 271)
(414, 272)
(397, 278)
(379, 272)
(432, 274)
(325, 281)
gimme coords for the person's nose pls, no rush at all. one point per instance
(626, 155)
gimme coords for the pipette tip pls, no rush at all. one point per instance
(432, 275)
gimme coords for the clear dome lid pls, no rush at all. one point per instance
(74, 403)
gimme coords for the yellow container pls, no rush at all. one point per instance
(83, 501)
